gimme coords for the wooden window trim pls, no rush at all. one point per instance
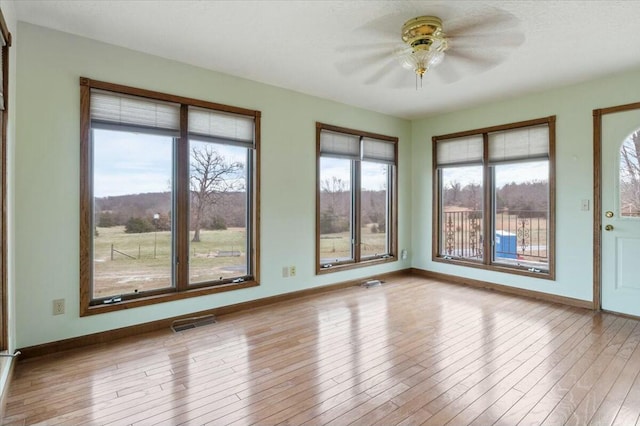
(4, 321)
(357, 262)
(487, 262)
(182, 289)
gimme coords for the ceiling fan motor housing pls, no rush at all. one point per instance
(421, 32)
(426, 44)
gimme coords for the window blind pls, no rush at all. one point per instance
(112, 110)
(339, 145)
(221, 127)
(378, 151)
(519, 144)
(459, 151)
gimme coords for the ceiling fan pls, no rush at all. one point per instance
(425, 44)
(472, 43)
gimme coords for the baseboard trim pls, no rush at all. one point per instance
(453, 279)
(109, 335)
(629, 316)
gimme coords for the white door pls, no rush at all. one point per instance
(621, 212)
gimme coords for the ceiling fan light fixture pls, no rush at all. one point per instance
(425, 44)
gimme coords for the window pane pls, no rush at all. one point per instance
(461, 222)
(218, 212)
(630, 176)
(335, 210)
(132, 186)
(374, 209)
(521, 214)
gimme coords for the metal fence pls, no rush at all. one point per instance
(517, 235)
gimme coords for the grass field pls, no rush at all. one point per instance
(143, 261)
(338, 246)
(128, 263)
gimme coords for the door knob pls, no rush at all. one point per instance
(609, 214)
(608, 228)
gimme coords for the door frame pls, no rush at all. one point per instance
(4, 294)
(597, 196)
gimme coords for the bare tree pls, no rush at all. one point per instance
(334, 187)
(452, 193)
(630, 175)
(335, 205)
(211, 176)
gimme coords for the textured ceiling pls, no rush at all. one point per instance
(342, 50)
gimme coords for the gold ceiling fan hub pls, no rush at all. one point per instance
(426, 44)
(421, 32)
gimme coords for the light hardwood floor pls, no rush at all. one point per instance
(410, 352)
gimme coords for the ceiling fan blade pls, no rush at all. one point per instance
(382, 72)
(479, 60)
(475, 33)
(367, 47)
(357, 63)
(466, 41)
(446, 72)
(404, 80)
(487, 19)
(470, 62)
(408, 80)
(389, 25)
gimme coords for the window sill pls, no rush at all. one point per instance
(161, 298)
(545, 275)
(352, 265)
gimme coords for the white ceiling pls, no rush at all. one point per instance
(342, 50)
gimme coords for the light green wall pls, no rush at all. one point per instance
(47, 177)
(573, 107)
(44, 166)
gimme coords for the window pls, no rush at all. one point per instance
(494, 198)
(356, 198)
(629, 186)
(168, 197)
(5, 42)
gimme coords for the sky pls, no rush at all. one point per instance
(128, 163)
(373, 175)
(136, 163)
(508, 173)
(373, 179)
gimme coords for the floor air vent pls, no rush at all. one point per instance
(189, 323)
(371, 283)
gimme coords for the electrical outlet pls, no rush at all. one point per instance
(292, 271)
(58, 307)
(285, 272)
